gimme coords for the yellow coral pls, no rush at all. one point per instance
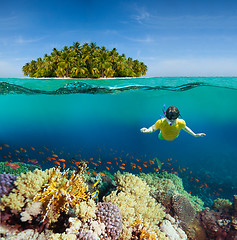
(86, 210)
(144, 232)
(148, 235)
(60, 193)
(27, 186)
(133, 199)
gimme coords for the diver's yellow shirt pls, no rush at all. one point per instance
(168, 132)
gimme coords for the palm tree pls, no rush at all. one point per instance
(87, 60)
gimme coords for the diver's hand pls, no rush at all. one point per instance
(148, 130)
(144, 130)
(200, 135)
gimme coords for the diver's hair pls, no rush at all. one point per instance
(172, 111)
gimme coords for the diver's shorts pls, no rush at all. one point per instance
(160, 136)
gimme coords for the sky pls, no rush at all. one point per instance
(172, 37)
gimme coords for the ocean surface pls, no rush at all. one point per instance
(100, 120)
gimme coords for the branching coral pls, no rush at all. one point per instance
(61, 193)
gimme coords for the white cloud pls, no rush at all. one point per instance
(21, 40)
(193, 67)
(141, 15)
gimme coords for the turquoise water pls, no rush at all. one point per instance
(103, 122)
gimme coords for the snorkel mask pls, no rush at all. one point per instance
(170, 114)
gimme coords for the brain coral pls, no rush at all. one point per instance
(111, 216)
(183, 209)
(133, 199)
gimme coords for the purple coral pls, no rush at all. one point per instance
(6, 183)
(210, 221)
(110, 215)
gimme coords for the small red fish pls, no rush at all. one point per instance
(14, 166)
(6, 145)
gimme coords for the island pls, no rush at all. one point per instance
(84, 61)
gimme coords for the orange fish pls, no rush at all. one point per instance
(64, 165)
(96, 164)
(57, 162)
(121, 167)
(88, 173)
(95, 173)
(107, 168)
(144, 165)
(61, 160)
(55, 155)
(196, 179)
(32, 148)
(139, 167)
(109, 162)
(156, 169)
(102, 174)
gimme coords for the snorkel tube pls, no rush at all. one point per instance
(169, 122)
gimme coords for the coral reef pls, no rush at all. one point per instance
(219, 225)
(86, 210)
(31, 211)
(172, 231)
(133, 199)
(18, 169)
(141, 230)
(27, 186)
(183, 209)
(6, 183)
(60, 194)
(221, 204)
(169, 183)
(111, 216)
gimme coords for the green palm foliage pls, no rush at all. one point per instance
(84, 61)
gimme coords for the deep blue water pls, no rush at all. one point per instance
(106, 127)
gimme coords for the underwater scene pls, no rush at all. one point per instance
(75, 165)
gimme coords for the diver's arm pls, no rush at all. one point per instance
(188, 130)
(149, 130)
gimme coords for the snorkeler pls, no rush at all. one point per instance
(170, 126)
